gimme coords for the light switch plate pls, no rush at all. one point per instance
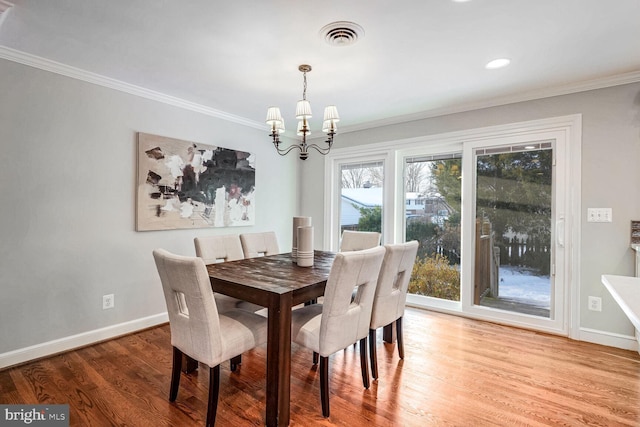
(599, 215)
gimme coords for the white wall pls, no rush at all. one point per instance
(610, 177)
(67, 211)
(67, 219)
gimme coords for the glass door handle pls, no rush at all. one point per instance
(560, 232)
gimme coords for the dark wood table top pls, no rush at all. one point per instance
(275, 274)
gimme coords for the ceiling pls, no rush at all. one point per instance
(417, 58)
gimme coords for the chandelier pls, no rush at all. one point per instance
(303, 114)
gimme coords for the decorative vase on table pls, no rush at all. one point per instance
(298, 221)
(304, 256)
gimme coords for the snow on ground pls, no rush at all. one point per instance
(520, 284)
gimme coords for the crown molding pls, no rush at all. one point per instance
(97, 79)
(79, 74)
(583, 86)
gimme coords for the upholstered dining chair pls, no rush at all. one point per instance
(259, 244)
(222, 248)
(359, 240)
(197, 329)
(391, 295)
(213, 249)
(338, 322)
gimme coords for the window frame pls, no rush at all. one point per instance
(566, 129)
(332, 200)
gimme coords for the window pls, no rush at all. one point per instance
(361, 196)
(357, 196)
(434, 189)
(434, 180)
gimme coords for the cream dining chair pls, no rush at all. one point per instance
(214, 249)
(223, 248)
(391, 295)
(259, 244)
(358, 240)
(338, 322)
(198, 330)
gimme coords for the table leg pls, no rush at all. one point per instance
(279, 360)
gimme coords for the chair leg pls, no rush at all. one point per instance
(324, 385)
(399, 337)
(234, 362)
(315, 358)
(175, 374)
(214, 389)
(364, 366)
(373, 355)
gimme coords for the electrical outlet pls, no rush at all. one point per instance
(108, 301)
(595, 303)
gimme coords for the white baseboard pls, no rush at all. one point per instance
(610, 339)
(626, 342)
(86, 338)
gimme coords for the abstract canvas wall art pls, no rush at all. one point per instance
(183, 184)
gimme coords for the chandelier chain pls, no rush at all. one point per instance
(304, 87)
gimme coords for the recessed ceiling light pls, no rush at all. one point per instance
(497, 63)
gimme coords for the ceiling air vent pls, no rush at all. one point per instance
(341, 33)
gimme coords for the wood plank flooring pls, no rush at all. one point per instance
(456, 372)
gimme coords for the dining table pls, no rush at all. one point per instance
(279, 284)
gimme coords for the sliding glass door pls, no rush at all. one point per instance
(516, 218)
(513, 225)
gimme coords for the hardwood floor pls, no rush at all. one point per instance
(456, 372)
